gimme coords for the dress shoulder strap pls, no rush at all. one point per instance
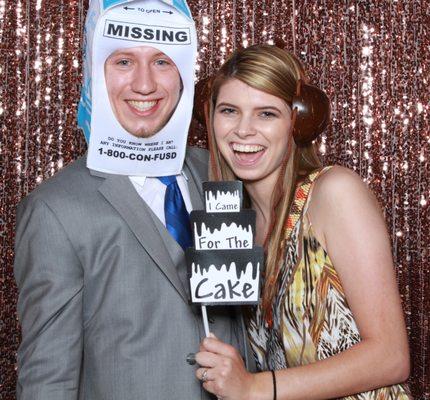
(300, 200)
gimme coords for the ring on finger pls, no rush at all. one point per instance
(204, 377)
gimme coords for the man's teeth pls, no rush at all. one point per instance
(247, 148)
(142, 105)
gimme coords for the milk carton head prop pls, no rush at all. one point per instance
(137, 97)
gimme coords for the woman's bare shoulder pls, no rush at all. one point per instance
(339, 185)
(339, 195)
(338, 178)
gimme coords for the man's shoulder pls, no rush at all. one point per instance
(197, 154)
(73, 179)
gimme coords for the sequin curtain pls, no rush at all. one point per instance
(372, 57)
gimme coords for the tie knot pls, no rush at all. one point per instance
(167, 180)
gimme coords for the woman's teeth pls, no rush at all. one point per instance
(142, 105)
(247, 148)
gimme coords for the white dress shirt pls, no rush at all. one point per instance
(152, 191)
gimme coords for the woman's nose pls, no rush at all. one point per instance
(244, 127)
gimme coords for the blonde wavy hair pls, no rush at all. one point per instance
(274, 71)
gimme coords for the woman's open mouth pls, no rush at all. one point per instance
(247, 154)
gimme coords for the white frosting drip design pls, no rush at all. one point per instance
(228, 237)
(224, 284)
(222, 201)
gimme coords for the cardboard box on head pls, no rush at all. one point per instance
(137, 96)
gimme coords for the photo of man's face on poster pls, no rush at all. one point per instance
(144, 88)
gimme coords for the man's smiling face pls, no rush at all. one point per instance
(144, 88)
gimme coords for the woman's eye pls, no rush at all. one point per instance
(227, 110)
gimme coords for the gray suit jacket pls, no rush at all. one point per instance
(103, 299)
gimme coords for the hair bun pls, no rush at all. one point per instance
(311, 113)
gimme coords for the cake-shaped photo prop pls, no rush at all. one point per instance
(223, 196)
(224, 265)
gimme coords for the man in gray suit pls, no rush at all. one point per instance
(103, 290)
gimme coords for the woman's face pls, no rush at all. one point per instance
(252, 130)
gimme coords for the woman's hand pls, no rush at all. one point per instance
(222, 370)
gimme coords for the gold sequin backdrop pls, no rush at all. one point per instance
(372, 57)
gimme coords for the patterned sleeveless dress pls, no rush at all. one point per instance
(310, 314)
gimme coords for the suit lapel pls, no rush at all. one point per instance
(196, 172)
(169, 257)
(177, 256)
(120, 193)
(191, 170)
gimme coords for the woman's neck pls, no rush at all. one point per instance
(260, 193)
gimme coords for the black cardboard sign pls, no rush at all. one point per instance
(223, 231)
(225, 276)
(223, 196)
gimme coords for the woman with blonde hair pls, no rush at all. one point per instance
(329, 323)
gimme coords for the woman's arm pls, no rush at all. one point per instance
(347, 220)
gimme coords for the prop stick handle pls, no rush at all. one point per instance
(205, 320)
